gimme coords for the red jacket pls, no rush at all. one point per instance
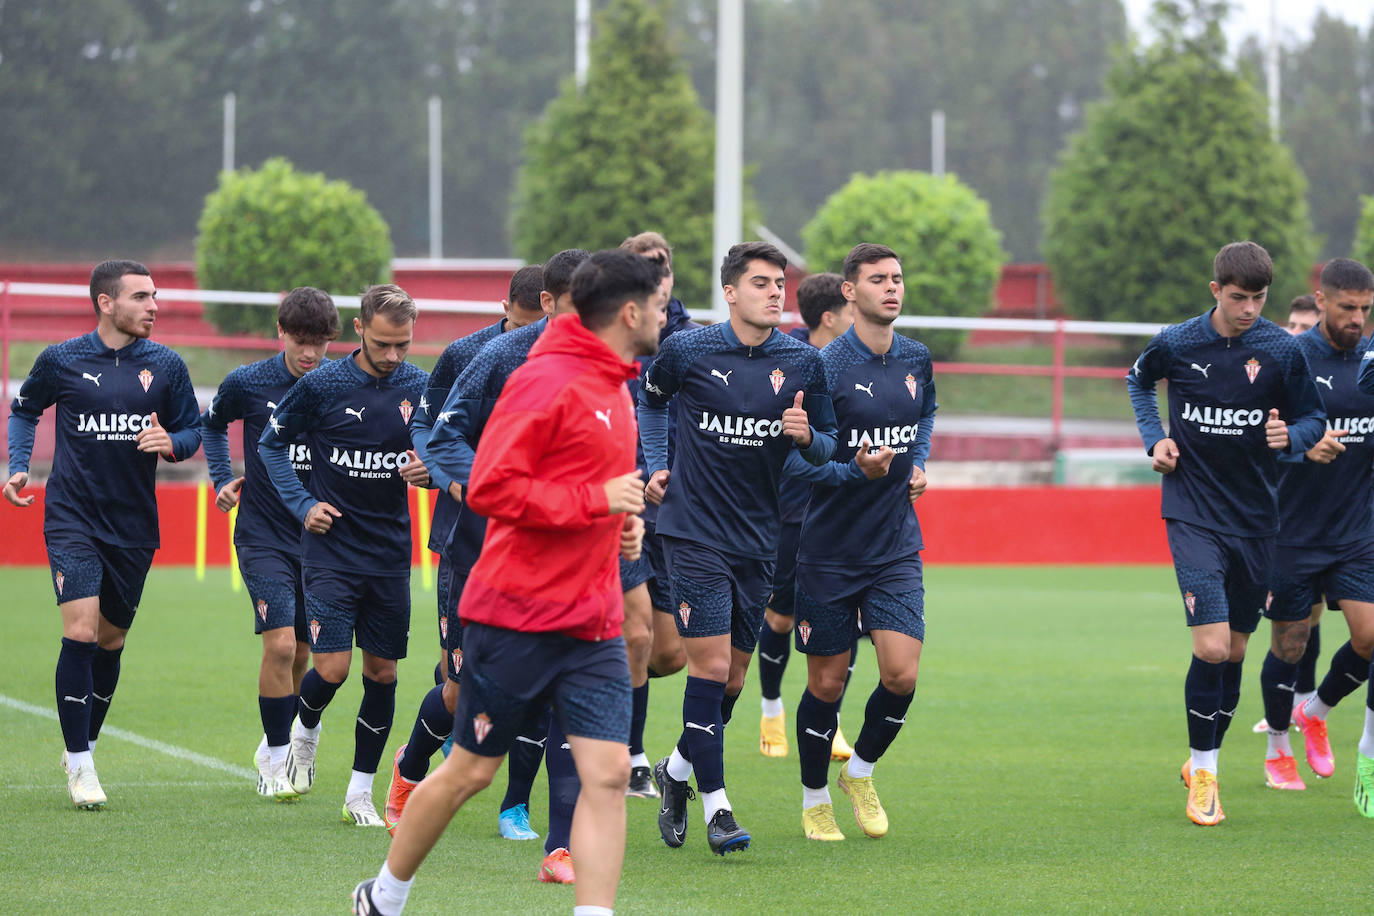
(563, 426)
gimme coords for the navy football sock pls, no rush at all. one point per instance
(315, 695)
(1348, 672)
(853, 657)
(774, 649)
(816, 721)
(1307, 665)
(276, 713)
(639, 712)
(375, 714)
(727, 707)
(522, 763)
(703, 729)
(1276, 687)
(883, 718)
(563, 788)
(74, 693)
(1202, 700)
(433, 725)
(104, 678)
(1230, 697)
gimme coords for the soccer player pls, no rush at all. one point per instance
(860, 544)
(1239, 394)
(434, 720)
(354, 416)
(452, 446)
(122, 401)
(827, 314)
(267, 537)
(1323, 547)
(749, 394)
(555, 476)
(1303, 314)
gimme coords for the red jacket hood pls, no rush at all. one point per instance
(566, 335)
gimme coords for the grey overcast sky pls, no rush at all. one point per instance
(1252, 16)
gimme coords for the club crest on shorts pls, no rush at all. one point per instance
(911, 385)
(262, 610)
(1252, 368)
(776, 378)
(1190, 601)
(145, 378)
(804, 631)
(443, 627)
(457, 660)
(684, 610)
(314, 631)
(59, 579)
(481, 726)
(406, 410)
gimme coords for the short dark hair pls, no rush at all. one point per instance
(739, 256)
(107, 279)
(864, 253)
(1346, 274)
(818, 294)
(387, 299)
(1304, 303)
(525, 286)
(1243, 264)
(307, 313)
(645, 242)
(559, 270)
(605, 280)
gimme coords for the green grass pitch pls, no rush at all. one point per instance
(1037, 772)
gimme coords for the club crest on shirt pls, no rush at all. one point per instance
(804, 631)
(481, 726)
(1252, 368)
(145, 378)
(443, 627)
(1190, 601)
(776, 378)
(314, 631)
(911, 385)
(684, 610)
(262, 610)
(59, 579)
(457, 660)
(406, 411)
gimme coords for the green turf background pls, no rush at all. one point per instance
(1037, 772)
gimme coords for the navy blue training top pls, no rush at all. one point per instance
(1221, 390)
(1327, 504)
(880, 399)
(250, 393)
(452, 361)
(357, 429)
(794, 492)
(458, 427)
(101, 484)
(730, 445)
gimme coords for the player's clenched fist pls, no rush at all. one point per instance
(320, 518)
(154, 438)
(1328, 446)
(874, 462)
(632, 538)
(1275, 431)
(795, 424)
(657, 487)
(625, 494)
(414, 471)
(1165, 456)
(228, 497)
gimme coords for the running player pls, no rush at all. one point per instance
(827, 314)
(1233, 379)
(860, 541)
(555, 475)
(122, 400)
(434, 720)
(354, 415)
(749, 394)
(267, 538)
(1323, 547)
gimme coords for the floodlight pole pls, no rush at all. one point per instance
(230, 114)
(582, 36)
(729, 216)
(1271, 67)
(937, 143)
(436, 186)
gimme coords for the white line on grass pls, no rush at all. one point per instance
(171, 750)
